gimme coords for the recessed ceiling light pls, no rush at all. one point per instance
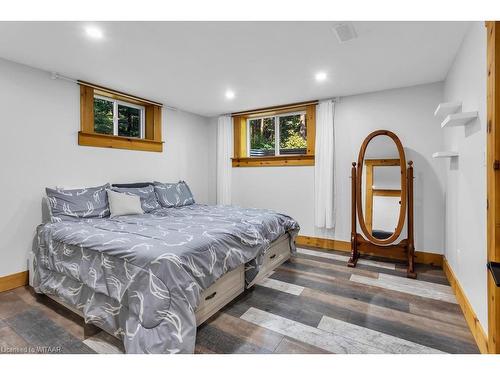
(94, 32)
(320, 76)
(230, 94)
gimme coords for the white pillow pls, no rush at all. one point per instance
(123, 204)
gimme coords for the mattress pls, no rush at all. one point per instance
(140, 277)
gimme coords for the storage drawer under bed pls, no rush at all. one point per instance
(223, 291)
(278, 253)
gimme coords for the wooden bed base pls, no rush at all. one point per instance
(228, 287)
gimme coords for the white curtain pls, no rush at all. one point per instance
(224, 155)
(324, 214)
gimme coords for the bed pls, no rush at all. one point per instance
(150, 279)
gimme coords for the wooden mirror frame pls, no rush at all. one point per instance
(402, 208)
(405, 248)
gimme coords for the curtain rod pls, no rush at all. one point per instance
(275, 108)
(283, 107)
(55, 75)
(115, 92)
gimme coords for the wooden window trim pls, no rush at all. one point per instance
(152, 121)
(274, 161)
(112, 141)
(241, 158)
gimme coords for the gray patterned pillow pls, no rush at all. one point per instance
(174, 195)
(76, 204)
(147, 195)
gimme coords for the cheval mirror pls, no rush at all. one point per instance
(382, 200)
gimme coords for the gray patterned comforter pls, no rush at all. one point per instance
(141, 276)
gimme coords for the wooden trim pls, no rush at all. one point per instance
(276, 109)
(493, 179)
(421, 257)
(153, 123)
(433, 259)
(240, 137)
(157, 124)
(469, 314)
(493, 313)
(323, 243)
(274, 161)
(86, 109)
(13, 281)
(110, 141)
(311, 129)
(118, 94)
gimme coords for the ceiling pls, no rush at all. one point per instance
(190, 65)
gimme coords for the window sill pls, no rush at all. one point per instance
(274, 161)
(111, 141)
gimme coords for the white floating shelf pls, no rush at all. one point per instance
(445, 109)
(445, 154)
(459, 119)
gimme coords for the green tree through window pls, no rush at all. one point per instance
(128, 118)
(292, 135)
(129, 121)
(262, 137)
(103, 116)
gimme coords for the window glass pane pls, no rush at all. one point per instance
(262, 136)
(103, 116)
(129, 121)
(293, 134)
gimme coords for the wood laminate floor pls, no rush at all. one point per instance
(313, 303)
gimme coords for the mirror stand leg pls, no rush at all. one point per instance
(354, 245)
(354, 253)
(410, 272)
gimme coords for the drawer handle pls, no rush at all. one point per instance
(272, 256)
(210, 296)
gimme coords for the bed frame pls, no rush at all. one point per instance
(224, 290)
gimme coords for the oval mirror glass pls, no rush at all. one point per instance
(382, 187)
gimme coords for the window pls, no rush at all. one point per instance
(113, 119)
(293, 134)
(262, 136)
(118, 118)
(275, 136)
(284, 134)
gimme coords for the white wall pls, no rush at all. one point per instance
(466, 176)
(409, 113)
(212, 161)
(40, 119)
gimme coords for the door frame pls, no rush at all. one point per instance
(493, 179)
